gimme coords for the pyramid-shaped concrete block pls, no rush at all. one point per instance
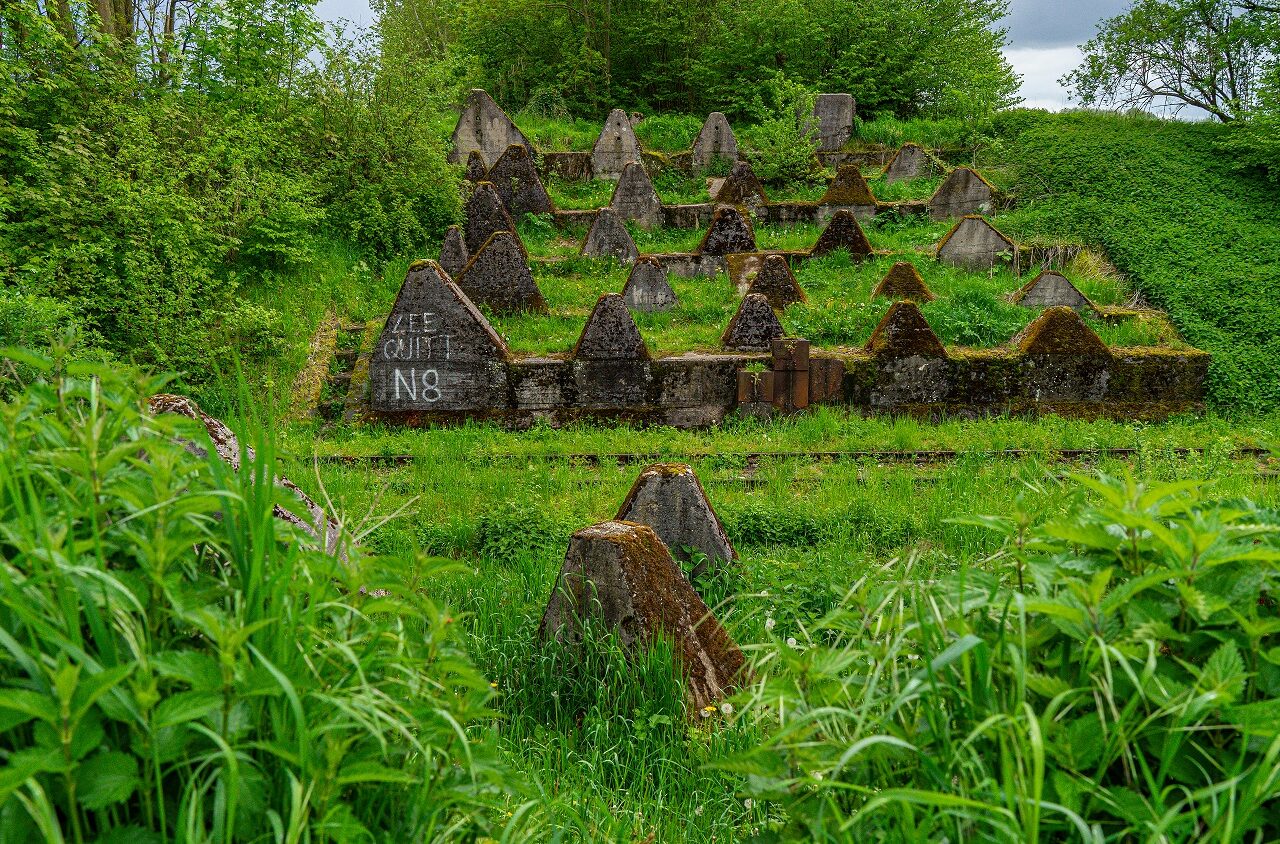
(842, 232)
(477, 169)
(609, 238)
(620, 575)
(437, 352)
(741, 188)
(912, 161)
(484, 214)
(616, 147)
(483, 127)
(1059, 332)
(1050, 290)
(716, 142)
(669, 498)
(903, 283)
(848, 188)
(728, 233)
(975, 244)
(453, 252)
(963, 192)
(754, 327)
(498, 277)
(647, 289)
(517, 182)
(635, 199)
(777, 283)
(904, 333)
(610, 333)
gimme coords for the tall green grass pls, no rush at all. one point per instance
(178, 664)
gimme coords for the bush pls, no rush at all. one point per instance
(1120, 665)
(181, 664)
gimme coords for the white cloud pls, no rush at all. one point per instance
(1040, 70)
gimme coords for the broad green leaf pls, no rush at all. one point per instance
(106, 778)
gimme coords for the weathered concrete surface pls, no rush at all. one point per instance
(903, 283)
(323, 529)
(517, 182)
(609, 238)
(912, 161)
(688, 216)
(647, 289)
(499, 278)
(668, 498)
(485, 128)
(741, 187)
(570, 166)
(715, 142)
(620, 574)
(610, 333)
(754, 327)
(634, 197)
(963, 192)
(975, 244)
(1052, 289)
(843, 232)
(615, 148)
(484, 214)
(691, 264)
(453, 252)
(834, 113)
(904, 332)
(729, 232)
(477, 168)
(849, 189)
(437, 352)
(777, 283)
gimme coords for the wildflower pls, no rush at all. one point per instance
(748, 803)
(698, 811)
(791, 641)
(769, 623)
(707, 710)
(726, 708)
(493, 685)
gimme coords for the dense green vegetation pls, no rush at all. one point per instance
(1192, 229)
(1005, 643)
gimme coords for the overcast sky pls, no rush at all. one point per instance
(1044, 36)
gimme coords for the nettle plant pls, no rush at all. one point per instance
(178, 664)
(1112, 674)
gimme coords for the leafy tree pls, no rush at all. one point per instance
(1209, 54)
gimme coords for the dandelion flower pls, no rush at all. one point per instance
(769, 623)
(726, 708)
(748, 803)
(791, 641)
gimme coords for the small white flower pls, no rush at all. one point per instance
(764, 593)
(748, 803)
(769, 623)
(817, 775)
(698, 811)
(726, 708)
(791, 641)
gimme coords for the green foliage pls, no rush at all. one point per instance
(152, 185)
(895, 56)
(1099, 676)
(180, 663)
(1190, 230)
(783, 142)
(1207, 54)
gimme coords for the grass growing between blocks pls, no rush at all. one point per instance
(818, 542)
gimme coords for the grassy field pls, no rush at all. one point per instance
(976, 645)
